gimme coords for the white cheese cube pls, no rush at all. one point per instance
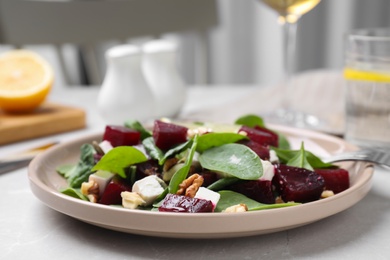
(206, 194)
(105, 146)
(149, 188)
(102, 178)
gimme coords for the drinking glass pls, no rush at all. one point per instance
(367, 90)
(289, 12)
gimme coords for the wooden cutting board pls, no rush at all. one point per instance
(49, 119)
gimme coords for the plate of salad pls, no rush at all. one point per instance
(199, 179)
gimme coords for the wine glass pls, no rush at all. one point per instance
(289, 12)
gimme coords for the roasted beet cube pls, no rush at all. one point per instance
(259, 190)
(260, 150)
(297, 184)
(120, 135)
(261, 135)
(167, 135)
(147, 168)
(209, 178)
(112, 193)
(178, 203)
(336, 179)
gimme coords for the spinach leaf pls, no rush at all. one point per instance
(182, 173)
(210, 140)
(75, 193)
(80, 173)
(286, 155)
(65, 170)
(159, 155)
(300, 160)
(118, 158)
(231, 198)
(136, 125)
(250, 120)
(233, 160)
(222, 183)
(283, 141)
(176, 150)
(152, 149)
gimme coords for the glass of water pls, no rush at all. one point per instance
(367, 92)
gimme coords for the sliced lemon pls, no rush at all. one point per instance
(25, 80)
(353, 74)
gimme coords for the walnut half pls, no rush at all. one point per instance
(190, 186)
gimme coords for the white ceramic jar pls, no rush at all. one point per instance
(161, 73)
(124, 93)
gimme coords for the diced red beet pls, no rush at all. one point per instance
(120, 135)
(112, 193)
(261, 135)
(178, 203)
(208, 178)
(167, 135)
(260, 150)
(336, 179)
(259, 190)
(297, 184)
(145, 169)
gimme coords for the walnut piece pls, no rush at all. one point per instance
(91, 190)
(236, 208)
(327, 194)
(190, 186)
(131, 200)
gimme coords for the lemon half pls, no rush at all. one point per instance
(25, 80)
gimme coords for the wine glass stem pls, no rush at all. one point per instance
(289, 43)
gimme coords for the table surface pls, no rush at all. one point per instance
(29, 228)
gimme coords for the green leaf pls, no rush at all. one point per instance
(176, 150)
(299, 160)
(118, 158)
(315, 162)
(65, 170)
(283, 142)
(136, 125)
(233, 160)
(159, 155)
(75, 193)
(210, 140)
(182, 173)
(250, 120)
(152, 149)
(222, 183)
(231, 198)
(80, 173)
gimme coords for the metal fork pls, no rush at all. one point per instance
(377, 156)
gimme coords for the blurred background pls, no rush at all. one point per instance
(242, 47)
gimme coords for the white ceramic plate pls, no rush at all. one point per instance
(45, 183)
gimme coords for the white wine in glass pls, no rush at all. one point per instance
(289, 12)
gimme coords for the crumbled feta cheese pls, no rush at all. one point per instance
(268, 171)
(149, 188)
(206, 194)
(105, 146)
(102, 178)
